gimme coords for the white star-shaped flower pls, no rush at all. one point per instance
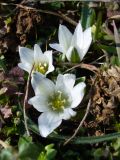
(55, 100)
(73, 46)
(42, 62)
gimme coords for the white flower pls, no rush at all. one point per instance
(42, 61)
(55, 100)
(73, 45)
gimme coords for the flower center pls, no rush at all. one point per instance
(41, 67)
(58, 101)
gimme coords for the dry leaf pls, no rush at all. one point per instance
(6, 111)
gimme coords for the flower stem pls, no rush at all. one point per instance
(81, 123)
(25, 101)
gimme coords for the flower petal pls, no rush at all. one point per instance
(61, 85)
(68, 79)
(25, 66)
(68, 113)
(48, 54)
(26, 55)
(87, 39)
(64, 36)
(69, 53)
(42, 85)
(50, 69)
(78, 36)
(40, 103)
(56, 46)
(77, 94)
(48, 122)
(80, 52)
(37, 53)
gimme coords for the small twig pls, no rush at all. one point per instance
(94, 62)
(49, 12)
(61, 15)
(83, 65)
(81, 123)
(49, 1)
(25, 100)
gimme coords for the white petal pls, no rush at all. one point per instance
(78, 36)
(48, 54)
(39, 56)
(37, 53)
(60, 84)
(67, 79)
(68, 113)
(87, 39)
(50, 69)
(25, 66)
(42, 85)
(69, 53)
(72, 113)
(40, 103)
(77, 94)
(65, 37)
(56, 46)
(80, 52)
(47, 122)
(26, 55)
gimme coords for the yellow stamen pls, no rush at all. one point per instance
(41, 67)
(58, 101)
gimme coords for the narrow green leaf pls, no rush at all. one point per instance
(78, 140)
(87, 140)
(117, 39)
(108, 49)
(87, 16)
(98, 25)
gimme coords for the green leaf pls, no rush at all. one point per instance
(86, 140)
(48, 154)
(108, 49)
(8, 20)
(33, 127)
(117, 39)
(115, 60)
(57, 5)
(87, 16)
(80, 79)
(98, 26)
(98, 153)
(116, 144)
(80, 140)
(6, 154)
(27, 149)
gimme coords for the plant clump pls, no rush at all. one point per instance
(105, 99)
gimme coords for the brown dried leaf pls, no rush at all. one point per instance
(3, 90)
(106, 95)
(16, 71)
(11, 87)
(6, 111)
